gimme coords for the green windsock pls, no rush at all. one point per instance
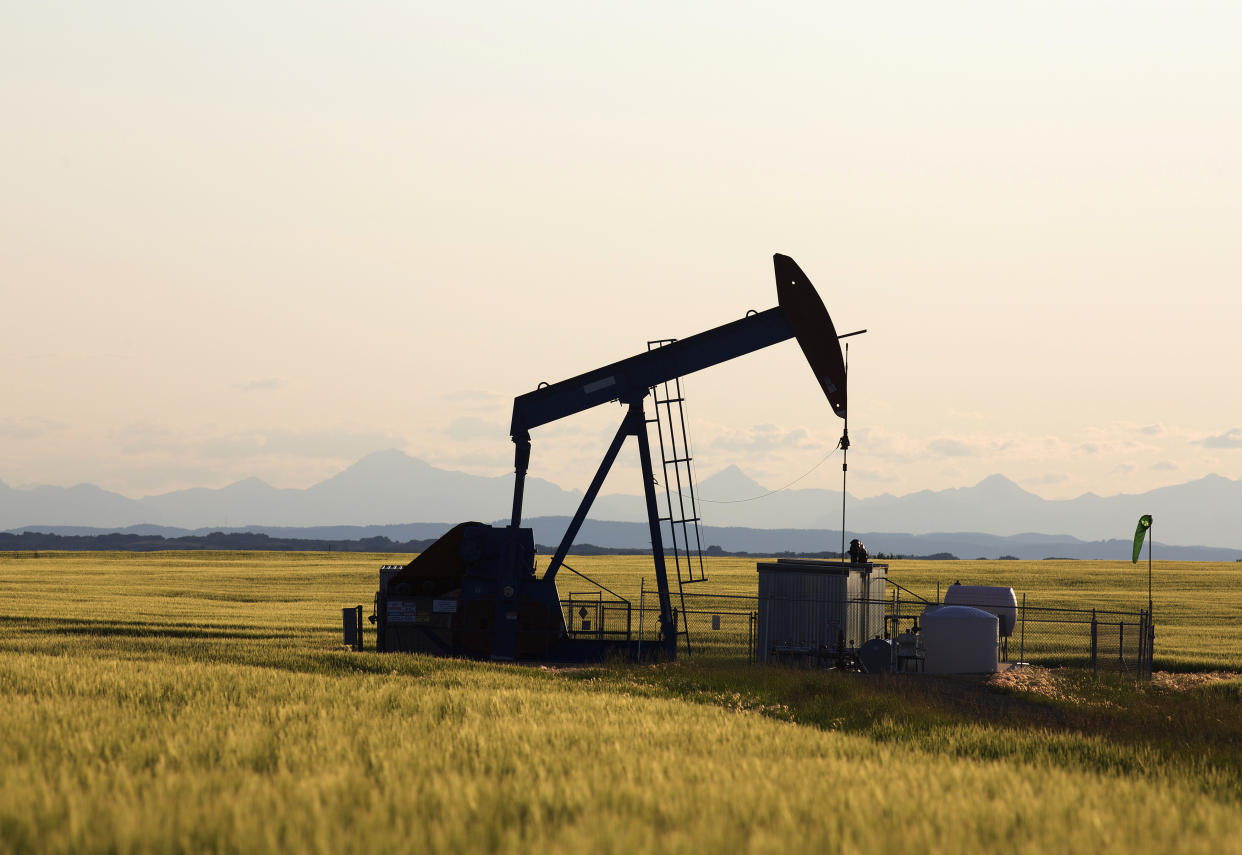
(1144, 524)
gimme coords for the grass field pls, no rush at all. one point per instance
(191, 702)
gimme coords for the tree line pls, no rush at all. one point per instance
(217, 540)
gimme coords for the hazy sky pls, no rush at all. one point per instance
(267, 238)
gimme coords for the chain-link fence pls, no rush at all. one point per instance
(730, 627)
(718, 626)
(1086, 638)
(1102, 640)
(602, 617)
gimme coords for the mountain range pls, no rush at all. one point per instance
(390, 488)
(627, 536)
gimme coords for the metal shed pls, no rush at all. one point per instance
(814, 606)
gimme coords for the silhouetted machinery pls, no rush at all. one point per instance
(475, 591)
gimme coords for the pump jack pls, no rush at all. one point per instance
(474, 592)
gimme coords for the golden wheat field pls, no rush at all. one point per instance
(202, 702)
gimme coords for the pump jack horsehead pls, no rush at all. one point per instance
(475, 592)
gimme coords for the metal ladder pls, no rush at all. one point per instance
(679, 499)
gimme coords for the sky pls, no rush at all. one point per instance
(265, 239)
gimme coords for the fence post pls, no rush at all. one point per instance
(1144, 621)
(892, 663)
(753, 638)
(349, 623)
(642, 591)
(1095, 642)
(1022, 638)
(1151, 643)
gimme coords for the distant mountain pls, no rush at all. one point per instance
(1205, 511)
(968, 545)
(391, 488)
(731, 484)
(383, 488)
(632, 535)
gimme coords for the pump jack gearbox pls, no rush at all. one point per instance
(475, 592)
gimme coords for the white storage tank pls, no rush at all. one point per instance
(960, 640)
(1002, 602)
